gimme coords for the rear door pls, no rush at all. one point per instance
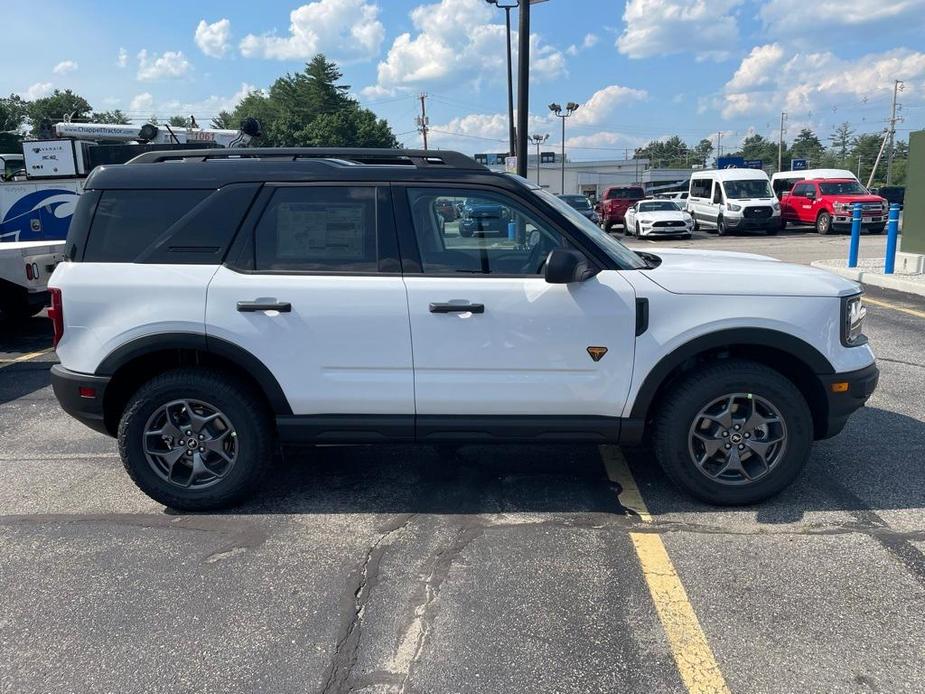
(314, 291)
(491, 336)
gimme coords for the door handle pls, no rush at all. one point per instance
(457, 308)
(254, 306)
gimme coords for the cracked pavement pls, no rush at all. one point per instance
(493, 569)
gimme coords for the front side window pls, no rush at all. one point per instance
(492, 235)
(318, 229)
(746, 189)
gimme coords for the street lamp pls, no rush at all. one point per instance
(538, 140)
(570, 108)
(507, 6)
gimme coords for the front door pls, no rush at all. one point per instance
(491, 337)
(317, 296)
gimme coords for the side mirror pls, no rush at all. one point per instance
(564, 266)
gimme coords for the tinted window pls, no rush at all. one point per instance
(579, 202)
(701, 187)
(842, 188)
(800, 190)
(318, 229)
(493, 235)
(782, 185)
(128, 221)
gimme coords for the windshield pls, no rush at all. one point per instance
(579, 202)
(842, 188)
(659, 206)
(743, 190)
(616, 250)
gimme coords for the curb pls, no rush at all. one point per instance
(875, 279)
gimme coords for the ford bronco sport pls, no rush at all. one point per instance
(216, 302)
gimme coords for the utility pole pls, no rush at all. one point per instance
(898, 86)
(859, 167)
(538, 140)
(523, 86)
(780, 142)
(422, 120)
(719, 146)
(570, 108)
(507, 6)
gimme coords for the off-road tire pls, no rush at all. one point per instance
(242, 405)
(677, 410)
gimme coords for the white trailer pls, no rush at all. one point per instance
(25, 267)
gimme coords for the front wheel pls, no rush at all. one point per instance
(721, 226)
(823, 223)
(734, 432)
(196, 439)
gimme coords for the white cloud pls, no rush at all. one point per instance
(604, 102)
(122, 60)
(142, 103)
(145, 104)
(769, 80)
(64, 67)
(38, 90)
(455, 42)
(170, 65)
(663, 27)
(344, 29)
(788, 17)
(590, 41)
(213, 39)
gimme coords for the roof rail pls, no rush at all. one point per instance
(408, 157)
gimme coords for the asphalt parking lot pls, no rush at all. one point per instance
(491, 569)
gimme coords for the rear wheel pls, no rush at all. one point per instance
(196, 439)
(823, 223)
(734, 432)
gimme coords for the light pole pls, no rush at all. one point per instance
(538, 140)
(570, 108)
(507, 6)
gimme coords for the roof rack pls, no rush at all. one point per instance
(396, 157)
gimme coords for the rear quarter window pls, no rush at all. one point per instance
(127, 222)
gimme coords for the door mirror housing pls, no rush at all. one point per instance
(565, 266)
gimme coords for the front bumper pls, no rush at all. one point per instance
(761, 223)
(841, 405)
(667, 231)
(845, 221)
(84, 408)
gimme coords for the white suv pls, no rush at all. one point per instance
(218, 301)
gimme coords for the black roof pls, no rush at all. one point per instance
(214, 168)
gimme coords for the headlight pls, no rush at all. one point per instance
(777, 207)
(852, 314)
(733, 207)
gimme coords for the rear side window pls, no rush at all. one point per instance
(626, 194)
(127, 222)
(701, 187)
(318, 229)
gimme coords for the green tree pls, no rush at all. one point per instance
(866, 147)
(178, 122)
(115, 117)
(224, 121)
(702, 152)
(55, 107)
(670, 153)
(12, 113)
(807, 146)
(311, 108)
(841, 142)
(757, 146)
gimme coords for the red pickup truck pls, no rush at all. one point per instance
(828, 204)
(615, 201)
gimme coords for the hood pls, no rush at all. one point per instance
(662, 215)
(851, 199)
(689, 271)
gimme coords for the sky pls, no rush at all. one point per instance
(640, 69)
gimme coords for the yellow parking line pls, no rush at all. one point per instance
(692, 654)
(884, 304)
(23, 357)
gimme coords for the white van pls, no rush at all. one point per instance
(733, 199)
(783, 181)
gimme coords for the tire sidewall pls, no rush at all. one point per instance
(823, 228)
(249, 425)
(674, 432)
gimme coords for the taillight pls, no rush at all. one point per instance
(29, 272)
(56, 314)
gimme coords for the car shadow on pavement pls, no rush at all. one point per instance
(424, 479)
(877, 463)
(22, 379)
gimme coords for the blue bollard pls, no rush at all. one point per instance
(855, 235)
(512, 231)
(892, 231)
